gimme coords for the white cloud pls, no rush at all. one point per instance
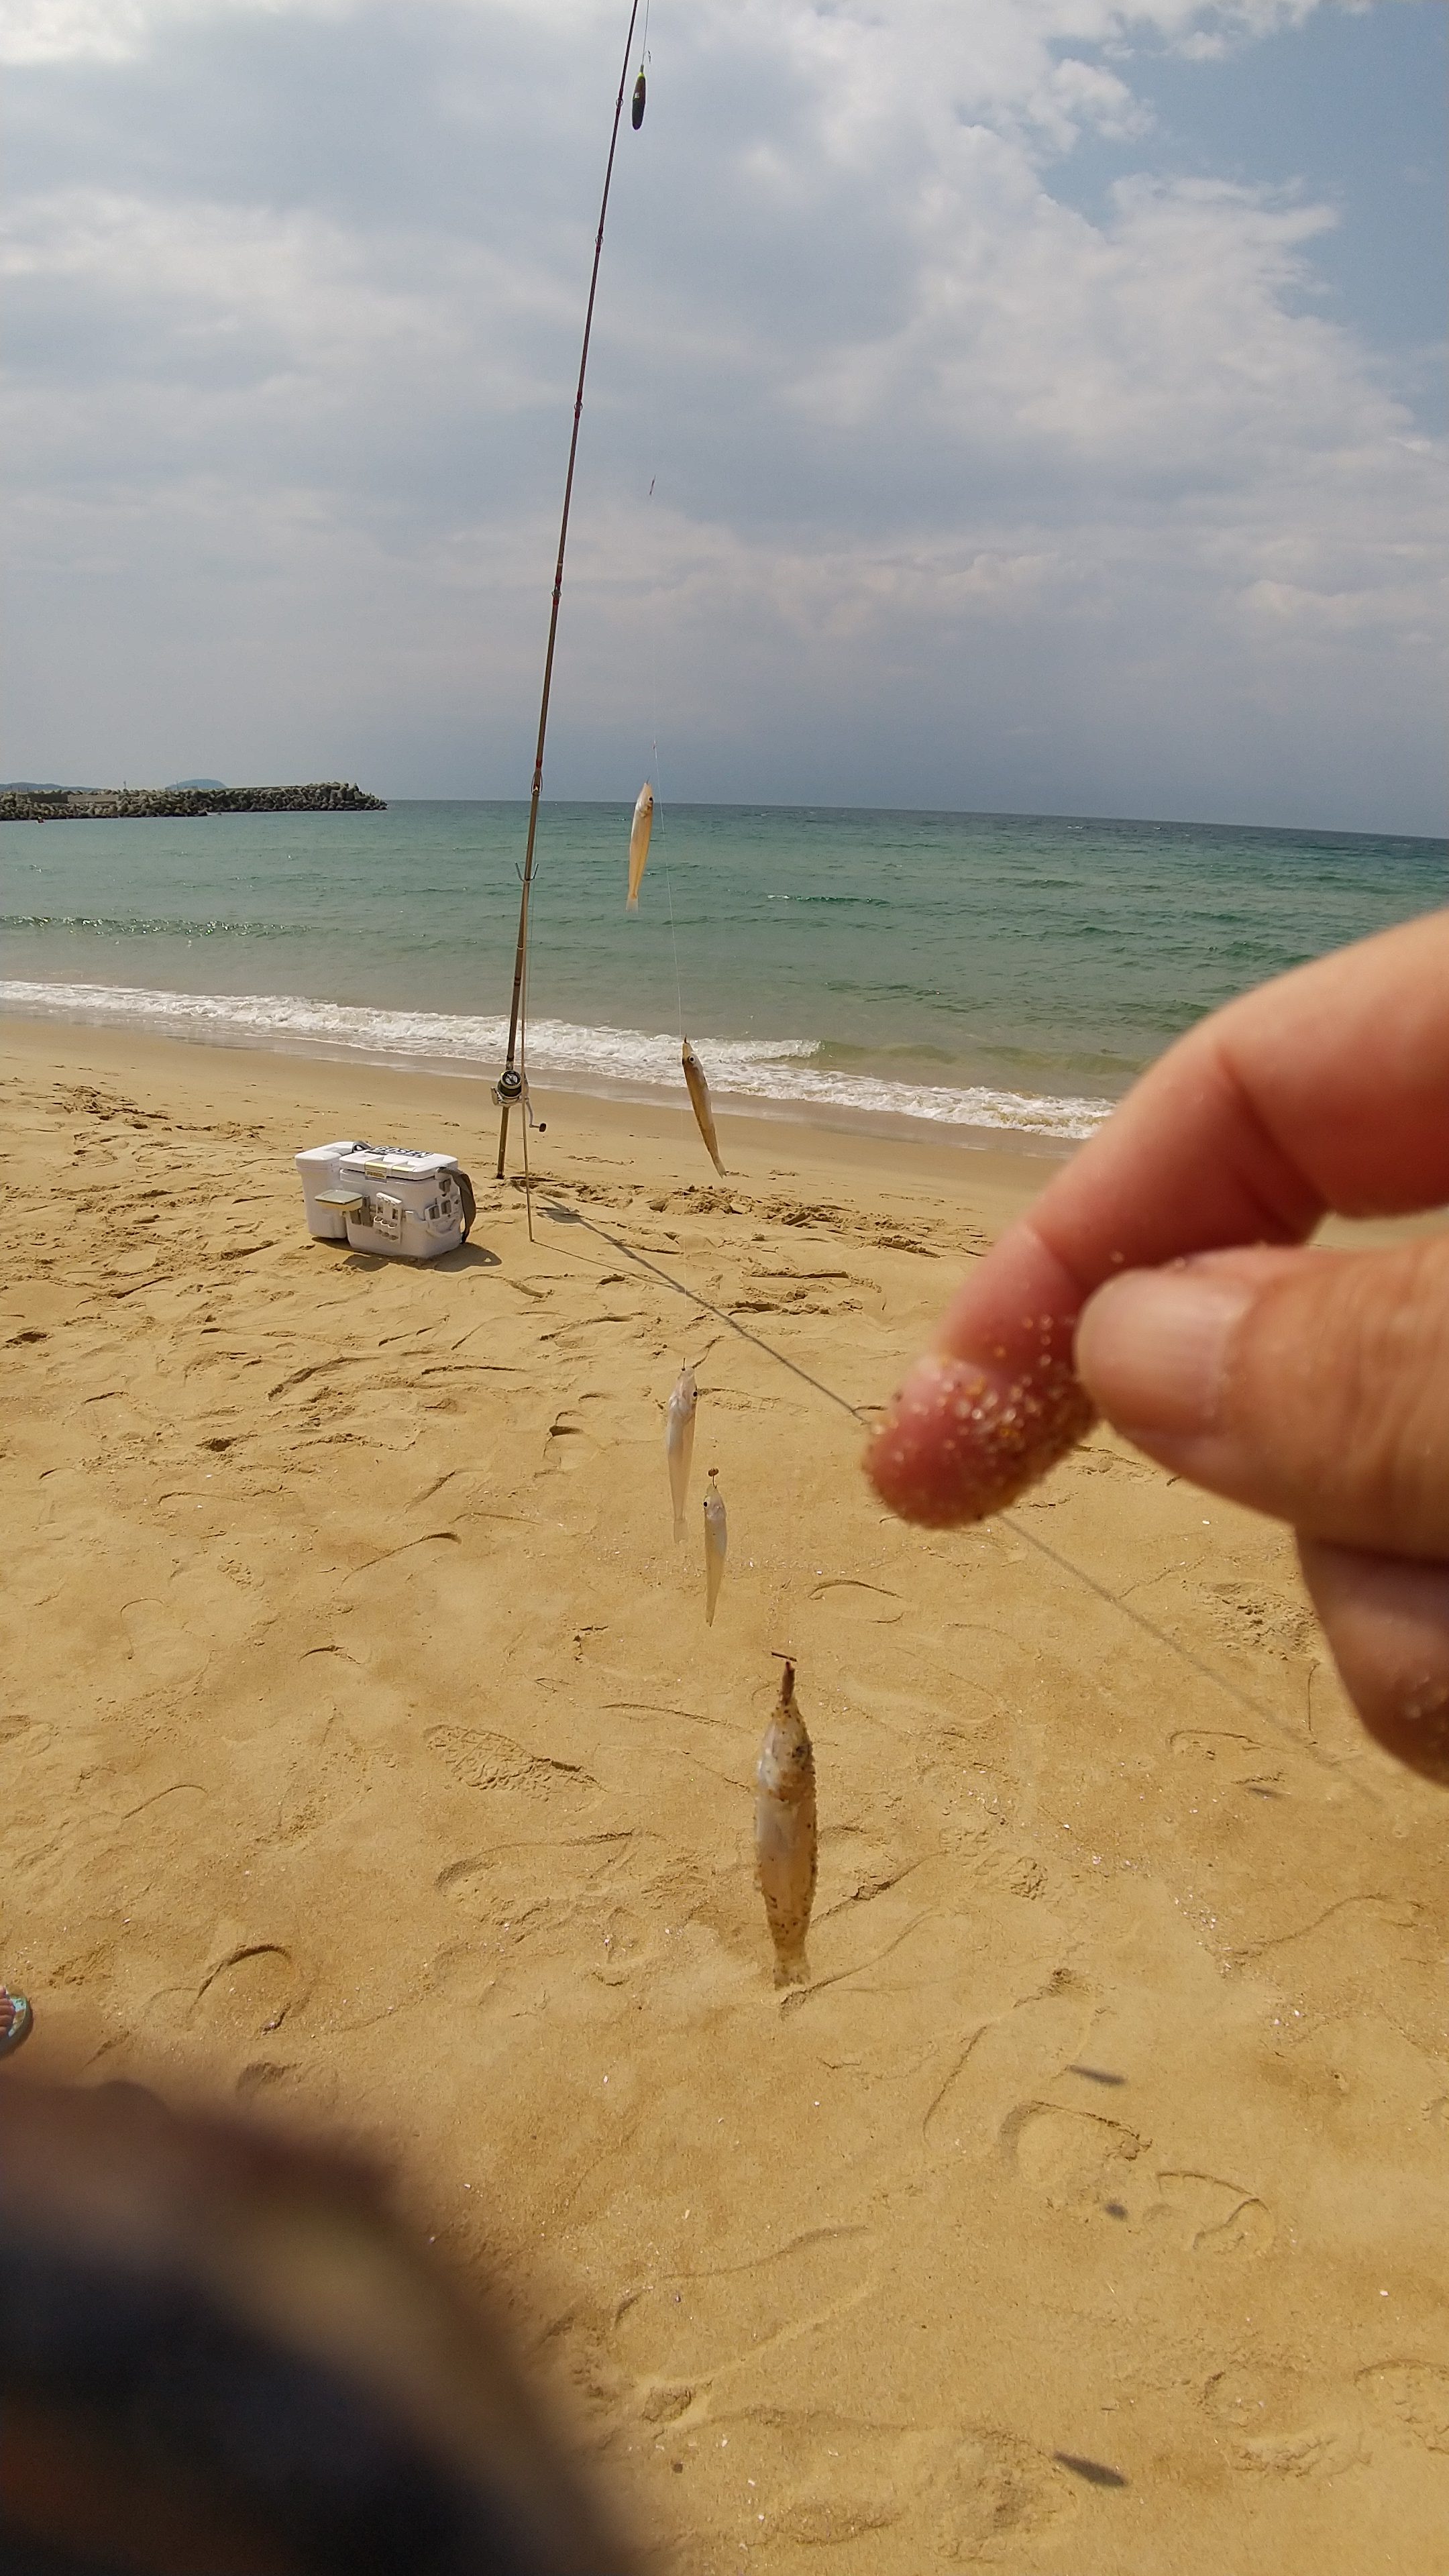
(954, 485)
(115, 31)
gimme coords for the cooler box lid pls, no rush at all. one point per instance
(390, 1163)
(315, 1156)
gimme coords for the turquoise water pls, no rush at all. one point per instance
(985, 970)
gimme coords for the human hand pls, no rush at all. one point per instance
(1162, 1280)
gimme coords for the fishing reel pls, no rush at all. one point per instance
(510, 1091)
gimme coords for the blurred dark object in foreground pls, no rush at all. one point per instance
(220, 2355)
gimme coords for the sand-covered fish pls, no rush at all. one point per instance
(785, 1832)
(716, 1541)
(699, 1103)
(639, 831)
(679, 1441)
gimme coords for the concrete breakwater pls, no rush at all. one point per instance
(78, 804)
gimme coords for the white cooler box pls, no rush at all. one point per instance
(385, 1198)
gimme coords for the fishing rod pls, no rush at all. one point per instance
(509, 1090)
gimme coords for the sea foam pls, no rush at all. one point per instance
(773, 1072)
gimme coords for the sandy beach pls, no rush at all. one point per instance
(366, 1759)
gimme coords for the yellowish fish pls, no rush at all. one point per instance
(716, 1541)
(679, 1441)
(699, 1103)
(785, 1832)
(639, 831)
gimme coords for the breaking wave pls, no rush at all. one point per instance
(782, 1072)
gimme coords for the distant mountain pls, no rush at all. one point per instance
(36, 787)
(195, 782)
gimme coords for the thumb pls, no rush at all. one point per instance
(1311, 1385)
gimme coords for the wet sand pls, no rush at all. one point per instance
(366, 1757)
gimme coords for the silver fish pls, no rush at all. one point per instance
(679, 1441)
(716, 1540)
(639, 831)
(700, 1104)
(785, 1832)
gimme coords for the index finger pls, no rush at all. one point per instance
(1328, 1089)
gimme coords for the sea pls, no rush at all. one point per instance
(979, 975)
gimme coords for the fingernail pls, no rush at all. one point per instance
(1154, 1346)
(961, 1441)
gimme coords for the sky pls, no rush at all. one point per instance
(1000, 405)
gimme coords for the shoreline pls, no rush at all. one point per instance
(995, 1174)
(1057, 1127)
(345, 1088)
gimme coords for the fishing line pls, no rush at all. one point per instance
(674, 943)
(1064, 1564)
(1278, 1725)
(508, 1090)
(527, 1103)
(682, 1123)
(527, 1181)
(655, 554)
(721, 1314)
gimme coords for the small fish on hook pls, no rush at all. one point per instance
(639, 831)
(636, 111)
(679, 1441)
(716, 1541)
(699, 1102)
(785, 1838)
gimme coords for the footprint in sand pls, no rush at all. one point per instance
(1282, 2423)
(1412, 2397)
(299, 2087)
(1346, 1958)
(854, 1867)
(824, 2479)
(568, 1444)
(323, 1788)
(250, 1993)
(1314, 2451)
(692, 2325)
(462, 1972)
(1027, 2047)
(29, 1735)
(997, 2493)
(1073, 2159)
(625, 1938)
(1237, 1759)
(529, 1887)
(1010, 1873)
(160, 1643)
(480, 1760)
(962, 2496)
(969, 1803)
(1212, 2217)
(1263, 1622)
(913, 1712)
